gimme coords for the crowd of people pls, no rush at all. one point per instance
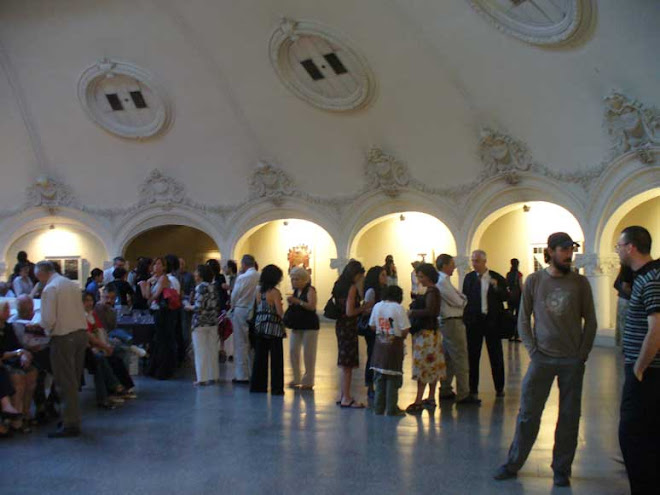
(240, 316)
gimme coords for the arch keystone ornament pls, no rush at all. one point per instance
(271, 182)
(385, 172)
(503, 155)
(632, 126)
(161, 189)
(50, 193)
(124, 99)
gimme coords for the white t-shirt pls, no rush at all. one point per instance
(389, 319)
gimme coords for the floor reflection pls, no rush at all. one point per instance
(178, 439)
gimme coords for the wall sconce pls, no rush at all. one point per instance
(52, 226)
(286, 223)
(402, 217)
(526, 208)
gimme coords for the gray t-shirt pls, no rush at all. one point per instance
(564, 315)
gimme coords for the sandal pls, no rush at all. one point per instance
(414, 408)
(429, 403)
(352, 405)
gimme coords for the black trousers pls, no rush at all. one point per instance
(263, 347)
(478, 330)
(370, 339)
(119, 369)
(639, 430)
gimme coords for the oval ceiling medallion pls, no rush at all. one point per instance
(124, 100)
(320, 67)
(540, 22)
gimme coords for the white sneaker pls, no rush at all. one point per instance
(138, 351)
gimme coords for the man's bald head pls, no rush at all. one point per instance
(25, 307)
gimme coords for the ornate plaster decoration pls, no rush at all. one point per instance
(542, 22)
(632, 126)
(160, 189)
(385, 172)
(503, 155)
(269, 181)
(320, 67)
(462, 263)
(595, 265)
(124, 99)
(50, 193)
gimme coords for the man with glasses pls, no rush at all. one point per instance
(559, 345)
(639, 424)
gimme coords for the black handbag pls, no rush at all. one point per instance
(331, 310)
(419, 302)
(363, 325)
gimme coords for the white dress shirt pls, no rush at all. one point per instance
(452, 301)
(22, 286)
(62, 310)
(245, 289)
(485, 284)
(108, 275)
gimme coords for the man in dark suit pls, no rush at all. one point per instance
(486, 293)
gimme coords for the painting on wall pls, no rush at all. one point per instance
(300, 256)
(71, 266)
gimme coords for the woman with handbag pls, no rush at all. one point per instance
(346, 296)
(374, 283)
(163, 345)
(303, 321)
(205, 327)
(269, 332)
(428, 357)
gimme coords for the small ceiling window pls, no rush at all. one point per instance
(542, 22)
(123, 99)
(320, 67)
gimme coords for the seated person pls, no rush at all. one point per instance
(5, 290)
(111, 355)
(93, 287)
(122, 288)
(23, 375)
(8, 410)
(23, 284)
(32, 337)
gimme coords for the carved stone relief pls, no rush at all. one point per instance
(50, 193)
(595, 265)
(503, 155)
(385, 172)
(632, 126)
(160, 189)
(269, 181)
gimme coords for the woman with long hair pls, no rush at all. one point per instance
(269, 332)
(163, 345)
(347, 298)
(142, 274)
(374, 283)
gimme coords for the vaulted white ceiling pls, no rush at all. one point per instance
(442, 71)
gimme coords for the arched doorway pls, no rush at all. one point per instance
(189, 243)
(291, 242)
(408, 236)
(521, 231)
(76, 250)
(642, 210)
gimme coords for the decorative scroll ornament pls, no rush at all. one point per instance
(160, 189)
(503, 155)
(462, 263)
(50, 193)
(632, 126)
(269, 181)
(385, 172)
(595, 265)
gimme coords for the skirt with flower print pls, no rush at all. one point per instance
(428, 357)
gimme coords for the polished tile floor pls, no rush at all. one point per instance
(221, 439)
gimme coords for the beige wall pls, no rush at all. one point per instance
(186, 242)
(419, 233)
(61, 241)
(270, 244)
(646, 215)
(513, 234)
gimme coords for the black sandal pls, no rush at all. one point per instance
(414, 408)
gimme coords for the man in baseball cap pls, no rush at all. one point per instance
(559, 345)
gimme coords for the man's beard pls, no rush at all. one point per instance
(564, 268)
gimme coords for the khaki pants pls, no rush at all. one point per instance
(306, 340)
(67, 357)
(456, 355)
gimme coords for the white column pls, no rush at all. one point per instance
(601, 272)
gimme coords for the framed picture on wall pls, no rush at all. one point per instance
(71, 266)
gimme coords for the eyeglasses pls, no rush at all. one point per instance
(619, 245)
